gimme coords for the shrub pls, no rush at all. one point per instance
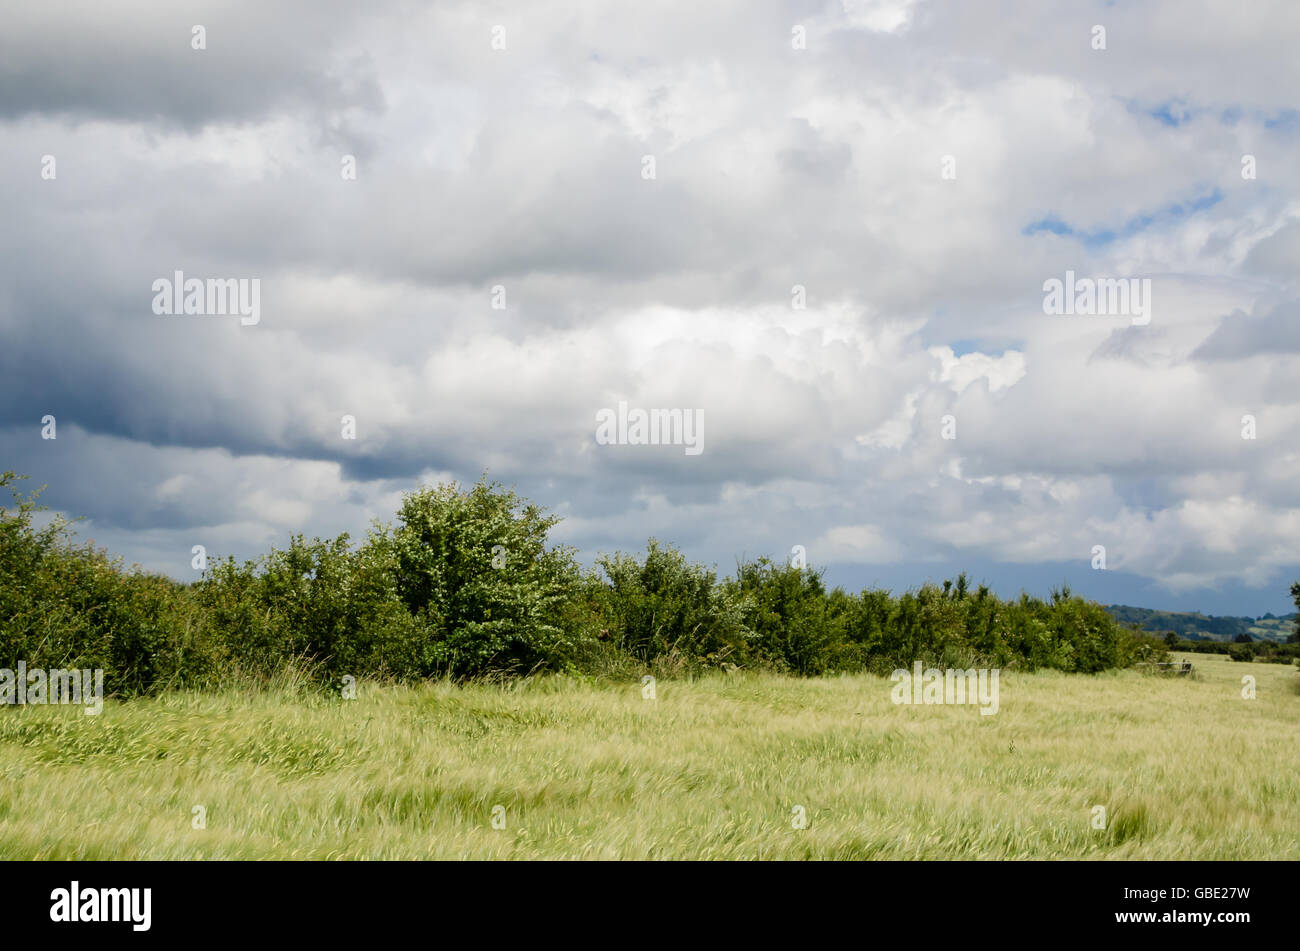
(794, 625)
(341, 608)
(64, 605)
(665, 605)
(474, 568)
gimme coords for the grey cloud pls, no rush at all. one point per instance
(1240, 335)
(134, 61)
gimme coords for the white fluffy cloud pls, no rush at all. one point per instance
(776, 167)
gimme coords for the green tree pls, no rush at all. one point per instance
(475, 568)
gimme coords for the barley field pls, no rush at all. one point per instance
(731, 766)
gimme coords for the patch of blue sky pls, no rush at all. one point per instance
(990, 347)
(1054, 224)
(1172, 113)
(1287, 120)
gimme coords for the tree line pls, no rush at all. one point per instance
(466, 584)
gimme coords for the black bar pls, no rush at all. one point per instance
(661, 901)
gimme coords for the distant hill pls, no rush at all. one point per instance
(1201, 627)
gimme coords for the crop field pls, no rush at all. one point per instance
(728, 766)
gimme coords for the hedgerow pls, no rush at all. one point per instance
(467, 585)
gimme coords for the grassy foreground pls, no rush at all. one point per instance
(712, 769)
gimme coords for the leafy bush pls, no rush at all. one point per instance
(474, 568)
(793, 623)
(665, 605)
(340, 608)
(1241, 652)
(72, 606)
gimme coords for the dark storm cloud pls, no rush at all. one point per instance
(135, 61)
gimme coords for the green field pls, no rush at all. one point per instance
(713, 768)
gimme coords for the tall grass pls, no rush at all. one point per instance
(712, 769)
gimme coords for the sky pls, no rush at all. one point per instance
(827, 229)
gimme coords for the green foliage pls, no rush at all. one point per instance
(474, 568)
(323, 602)
(666, 606)
(1197, 626)
(72, 606)
(1294, 638)
(467, 585)
(1264, 651)
(793, 624)
(1241, 652)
